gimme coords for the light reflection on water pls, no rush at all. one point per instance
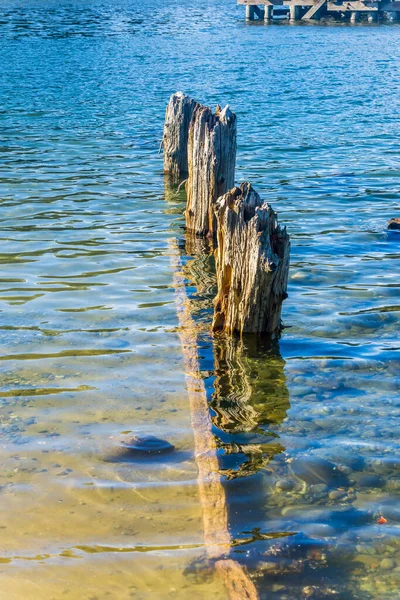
(88, 328)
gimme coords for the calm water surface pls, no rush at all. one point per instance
(90, 353)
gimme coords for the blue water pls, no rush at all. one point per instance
(89, 344)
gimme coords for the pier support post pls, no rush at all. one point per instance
(178, 117)
(354, 17)
(211, 165)
(250, 13)
(268, 12)
(373, 17)
(393, 16)
(295, 12)
(252, 264)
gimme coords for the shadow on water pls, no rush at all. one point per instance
(249, 400)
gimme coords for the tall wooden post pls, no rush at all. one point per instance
(295, 12)
(354, 17)
(178, 117)
(250, 13)
(252, 264)
(211, 165)
(268, 12)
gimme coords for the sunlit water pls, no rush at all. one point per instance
(89, 348)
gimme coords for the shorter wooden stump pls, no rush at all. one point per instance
(252, 264)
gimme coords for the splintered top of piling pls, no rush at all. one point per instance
(247, 204)
(252, 262)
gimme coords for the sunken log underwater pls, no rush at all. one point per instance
(252, 249)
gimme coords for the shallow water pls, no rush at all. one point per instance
(90, 351)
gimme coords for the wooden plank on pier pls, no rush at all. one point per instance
(257, 2)
(298, 2)
(355, 6)
(315, 11)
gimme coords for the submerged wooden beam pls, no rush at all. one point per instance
(178, 117)
(217, 539)
(252, 264)
(211, 165)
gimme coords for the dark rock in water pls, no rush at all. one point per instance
(140, 446)
(286, 485)
(394, 223)
(313, 470)
(147, 444)
(371, 481)
(388, 466)
(200, 569)
(277, 556)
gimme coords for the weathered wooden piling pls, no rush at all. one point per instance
(211, 165)
(252, 264)
(200, 145)
(268, 13)
(252, 258)
(178, 117)
(295, 12)
(250, 13)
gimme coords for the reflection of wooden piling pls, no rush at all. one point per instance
(212, 494)
(250, 384)
(178, 117)
(252, 264)
(211, 165)
(249, 394)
